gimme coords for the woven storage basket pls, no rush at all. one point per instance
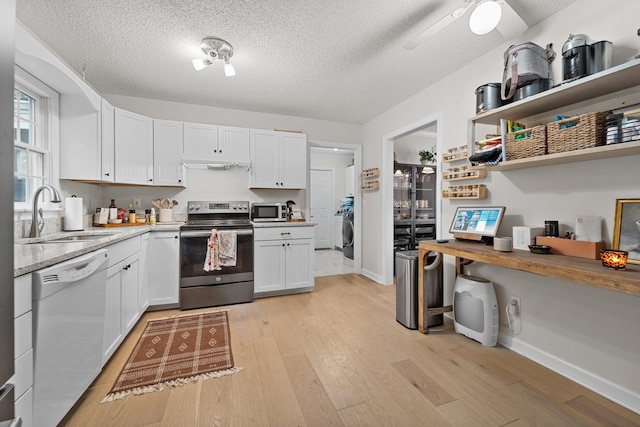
(534, 143)
(589, 131)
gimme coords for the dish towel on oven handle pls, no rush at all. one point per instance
(221, 250)
(227, 248)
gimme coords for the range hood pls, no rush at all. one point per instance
(217, 165)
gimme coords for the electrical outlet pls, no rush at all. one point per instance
(137, 203)
(515, 304)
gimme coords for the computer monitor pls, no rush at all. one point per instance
(477, 223)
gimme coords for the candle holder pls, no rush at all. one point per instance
(615, 259)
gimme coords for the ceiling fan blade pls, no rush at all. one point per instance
(439, 25)
(511, 24)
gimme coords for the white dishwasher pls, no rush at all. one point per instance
(68, 330)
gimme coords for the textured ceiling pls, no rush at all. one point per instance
(336, 60)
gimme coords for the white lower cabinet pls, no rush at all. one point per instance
(163, 268)
(122, 306)
(143, 294)
(283, 259)
(337, 231)
(23, 350)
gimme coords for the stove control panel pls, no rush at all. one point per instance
(217, 207)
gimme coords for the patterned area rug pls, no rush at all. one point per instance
(177, 351)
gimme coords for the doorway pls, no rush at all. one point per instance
(431, 125)
(341, 159)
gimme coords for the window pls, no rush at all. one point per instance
(35, 114)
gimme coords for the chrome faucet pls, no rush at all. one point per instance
(37, 212)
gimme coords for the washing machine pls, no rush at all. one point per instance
(347, 234)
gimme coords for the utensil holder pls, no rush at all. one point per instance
(166, 215)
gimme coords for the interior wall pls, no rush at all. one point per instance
(567, 326)
(406, 148)
(337, 163)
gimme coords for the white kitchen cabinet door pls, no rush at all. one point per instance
(293, 160)
(349, 180)
(200, 143)
(269, 266)
(337, 231)
(80, 148)
(233, 144)
(143, 295)
(163, 255)
(113, 313)
(133, 148)
(265, 159)
(168, 169)
(108, 142)
(130, 293)
(278, 160)
(299, 263)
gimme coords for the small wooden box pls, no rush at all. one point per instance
(577, 248)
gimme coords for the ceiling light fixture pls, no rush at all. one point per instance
(215, 48)
(485, 17)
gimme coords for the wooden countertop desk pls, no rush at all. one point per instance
(579, 270)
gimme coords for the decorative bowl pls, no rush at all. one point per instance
(141, 220)
(115, 221)
(540, 249)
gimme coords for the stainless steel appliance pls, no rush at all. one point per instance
(230, 284)
(7, 36)
(269, 212)
(347, 234)
(576, 56)
(68, 319)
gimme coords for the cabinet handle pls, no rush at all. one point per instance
(179, 180)
(283, 245)
(106, 174)
(215, 151)
(288, 244)
(175, 237)
(150, 179)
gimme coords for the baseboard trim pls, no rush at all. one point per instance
(622, 396)
(373, 276)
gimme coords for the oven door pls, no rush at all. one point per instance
(193, 251)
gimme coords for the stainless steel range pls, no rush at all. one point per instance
(231, 284)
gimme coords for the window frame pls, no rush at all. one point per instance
(47, 129)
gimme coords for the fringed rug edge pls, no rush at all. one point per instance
(178, 382)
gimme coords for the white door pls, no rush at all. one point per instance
(321, 206)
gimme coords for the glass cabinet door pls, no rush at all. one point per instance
(402, 193)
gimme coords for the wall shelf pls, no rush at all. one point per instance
(472, 174)
(614, 79)
(463, 192)
(603, 152)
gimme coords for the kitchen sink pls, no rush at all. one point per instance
(70, 239)
(79, 238)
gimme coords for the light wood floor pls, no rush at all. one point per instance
(337, 356)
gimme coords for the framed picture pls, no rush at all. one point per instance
(626, 230)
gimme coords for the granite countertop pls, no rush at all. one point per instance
(283, 224)
(32, 254)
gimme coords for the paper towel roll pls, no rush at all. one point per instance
(73, 220)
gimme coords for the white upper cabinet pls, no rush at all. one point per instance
(205, 143)
(108, 141)
(133, 148)
(200, 142)
(278, 160)
(168, 169)
(233, 144)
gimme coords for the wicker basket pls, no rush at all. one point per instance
(589, 131)
(534, 143)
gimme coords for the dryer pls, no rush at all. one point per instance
(347, 234)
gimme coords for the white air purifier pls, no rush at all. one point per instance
(475, 309)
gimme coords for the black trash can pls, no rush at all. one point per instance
(407, 288)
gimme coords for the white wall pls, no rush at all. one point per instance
(406, 148)
(588, 333)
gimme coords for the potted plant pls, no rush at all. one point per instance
(427, 156)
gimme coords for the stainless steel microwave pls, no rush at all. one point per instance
(269, 212)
